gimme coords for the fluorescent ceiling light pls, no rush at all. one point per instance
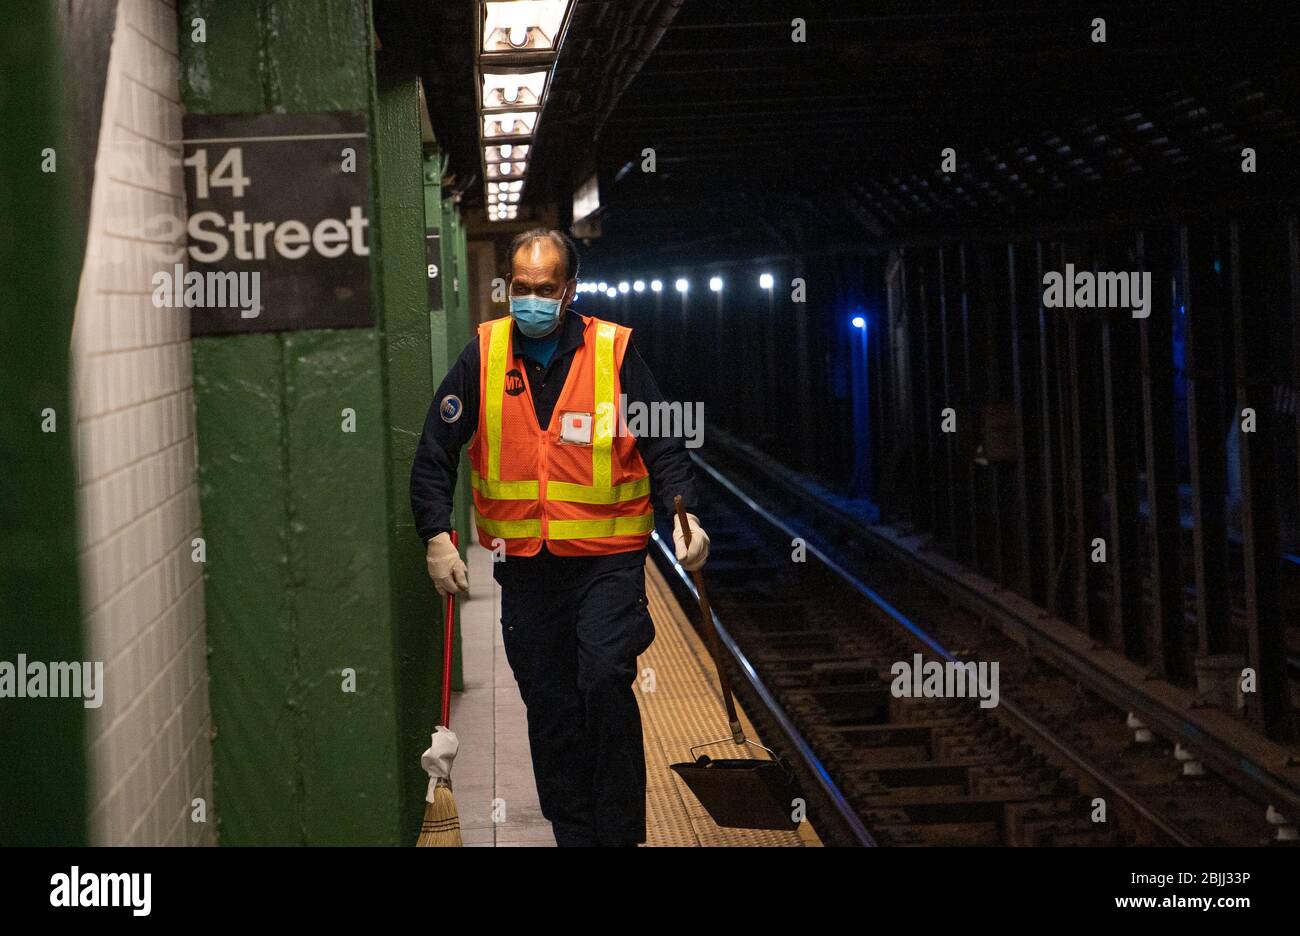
(506, 152)
(522, 25)
(506, 170)
(510, 124)
(513, 89)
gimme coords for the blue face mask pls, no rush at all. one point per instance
(535, 316)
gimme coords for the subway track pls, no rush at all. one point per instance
(1039, 768)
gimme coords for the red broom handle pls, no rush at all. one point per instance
(448, 629)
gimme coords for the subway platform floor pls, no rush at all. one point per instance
(680, 706)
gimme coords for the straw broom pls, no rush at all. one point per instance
(441, 825)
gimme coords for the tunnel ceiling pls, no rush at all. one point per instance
(769, 146)
(765, 146)
(606, 42)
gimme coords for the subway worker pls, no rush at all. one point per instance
(567, 494)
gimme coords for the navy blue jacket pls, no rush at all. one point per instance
(433, 473)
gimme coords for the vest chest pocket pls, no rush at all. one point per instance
(576, 428)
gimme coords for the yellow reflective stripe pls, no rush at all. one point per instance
(508, 529)
(595, 529)
(602, 447)
(498, 352)
(581, 494)
(503, 490)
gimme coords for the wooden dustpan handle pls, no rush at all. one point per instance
(711, 632)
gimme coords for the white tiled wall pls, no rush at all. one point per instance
(150, 751)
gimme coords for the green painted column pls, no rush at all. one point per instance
(416, 614)
(43, 775)
(439, 214)
(454, 290)
(459, 332)
(311, 570)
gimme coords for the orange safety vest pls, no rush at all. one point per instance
(579, 485)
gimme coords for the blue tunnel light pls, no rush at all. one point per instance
(859, 322)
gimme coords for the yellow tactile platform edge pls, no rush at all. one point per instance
(681, 705)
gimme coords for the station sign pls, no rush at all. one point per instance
(278, 233)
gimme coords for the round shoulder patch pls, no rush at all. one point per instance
(450, 408)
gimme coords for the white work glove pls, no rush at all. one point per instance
(446, 568)
(691, 557)
(437, 760)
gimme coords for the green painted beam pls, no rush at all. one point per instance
(459, 333)
(442, 351)
(310, 569)
(43, 774)
(456, 324)
(417, 614)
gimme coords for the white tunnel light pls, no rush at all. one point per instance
(624, 286)
(506, 152)
(506, 170)
(611, 292)
(512, 123)
(765, 281)
(656, 285)
(513, 89)
(715, 283)
(638, 286)
(682, 285)
(523, 25)
(602, 286)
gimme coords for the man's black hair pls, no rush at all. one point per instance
(559, 238)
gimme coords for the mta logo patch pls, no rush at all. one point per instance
(450, 408)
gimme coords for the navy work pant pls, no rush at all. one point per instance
(573, 653)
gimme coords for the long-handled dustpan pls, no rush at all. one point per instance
(739, 793)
